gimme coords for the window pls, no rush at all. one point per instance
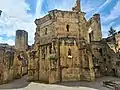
(91, 36)
(100, 50)
(119, 50)
(50, 49)
(104, 60)
(67, 27)
(69, 52)
(46, 31)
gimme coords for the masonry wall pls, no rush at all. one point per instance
(6, 64)
(77, 67)
(20, 64)
(104, 59)
(117, 37)
(75, 21)
(55, 26)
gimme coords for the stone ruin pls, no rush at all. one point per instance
(14, 60)
(67, 47)
(6, 62)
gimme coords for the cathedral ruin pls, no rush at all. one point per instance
(69, 48)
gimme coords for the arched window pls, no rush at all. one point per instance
(100, 50)
(67, 27)
(69, 52)
(91, 36)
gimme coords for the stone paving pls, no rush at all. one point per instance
(19, 83)
(22, 84)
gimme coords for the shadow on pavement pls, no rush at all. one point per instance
(19, 83)
(97, 84)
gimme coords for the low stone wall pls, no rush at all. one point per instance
(32, 66)
(10, 72)
(20, 64)
(6, 75)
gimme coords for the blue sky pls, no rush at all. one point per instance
(20, 14)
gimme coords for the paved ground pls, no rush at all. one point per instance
(19, 83)
(22, 84)
(98, 84)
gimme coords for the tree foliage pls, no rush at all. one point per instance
(111, 31)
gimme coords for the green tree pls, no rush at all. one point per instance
(111, 31)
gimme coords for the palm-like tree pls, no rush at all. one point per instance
(111, 31)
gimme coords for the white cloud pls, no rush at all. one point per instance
(109, 20)
(9, 41)
(115, 12)
(103, 5)
(117, 28)
(15, 16)
(60, 5)
(38, 8)
(93, 5)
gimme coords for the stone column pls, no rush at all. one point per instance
(59, 77)
(92, 73)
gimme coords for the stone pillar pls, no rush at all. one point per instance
(17, 65)
(59, 76)
(92, 74)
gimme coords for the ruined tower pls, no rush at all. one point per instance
(21, 41)
(95, 33)
(77, 6)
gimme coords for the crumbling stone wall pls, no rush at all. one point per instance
(33, 69)
(105, 59)
(114, 42)
(43, 68)
(94, 27)
(117, 38)
(13, 63)
(60, 24)
(64, 37)
(20, 64)
(6, 62)
(77, 67)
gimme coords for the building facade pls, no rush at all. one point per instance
(62, 51)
